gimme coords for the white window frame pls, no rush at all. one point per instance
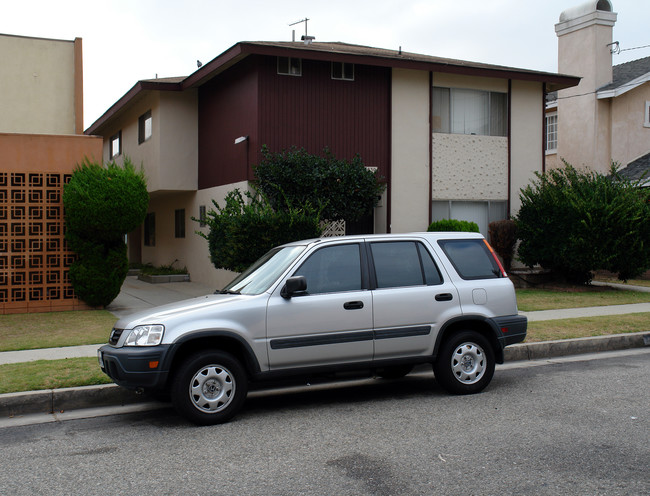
(340, 68)
(646, 115)
(294, 66)
(547, 148)
(115, 142)
(455, 100)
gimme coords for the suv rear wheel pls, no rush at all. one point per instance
(465, 363)
(209, 387)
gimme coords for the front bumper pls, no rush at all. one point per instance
(136, 367)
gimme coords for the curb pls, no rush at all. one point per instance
(110, 395)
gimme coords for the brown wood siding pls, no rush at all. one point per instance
(227, 110)
(313, 111)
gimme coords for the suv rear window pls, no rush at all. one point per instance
(471, 258)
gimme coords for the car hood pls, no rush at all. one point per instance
(173, 311)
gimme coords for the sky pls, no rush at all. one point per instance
(125, 41)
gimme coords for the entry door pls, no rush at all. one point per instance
(331, 322)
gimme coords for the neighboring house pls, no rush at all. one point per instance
(606, 118)
(451, 138)
(41, 141)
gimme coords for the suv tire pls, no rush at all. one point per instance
(209, 387)
(465, 363)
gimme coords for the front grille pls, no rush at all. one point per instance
(115, 336)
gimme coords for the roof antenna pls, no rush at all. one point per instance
(307, 39)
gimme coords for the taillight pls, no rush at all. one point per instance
(496, 258)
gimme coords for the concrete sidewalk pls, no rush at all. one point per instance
(138, 295)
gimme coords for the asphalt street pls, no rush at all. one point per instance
(578, 425)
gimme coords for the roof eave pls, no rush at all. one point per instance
(138, 88)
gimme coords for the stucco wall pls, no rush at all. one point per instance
(410, 199)
(191, 251)
(170, 156)
(38, 85)
(469, 167)
(630, 139)
(526, 134)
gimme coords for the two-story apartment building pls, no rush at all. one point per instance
(451, 138)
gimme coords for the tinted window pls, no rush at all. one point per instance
(403, 263)
(332, 269)
(471, 258)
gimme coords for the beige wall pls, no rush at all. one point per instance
(630, 139)
(584, 124)
(526, 134)
(410, 200)
(41, 85)
(170, 156)
(191, 251)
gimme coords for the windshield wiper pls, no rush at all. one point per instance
(228, 291)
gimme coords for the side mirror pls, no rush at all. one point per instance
(294, 285)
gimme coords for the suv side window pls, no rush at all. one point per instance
(403, 263)
(332, 269)
(471, 258)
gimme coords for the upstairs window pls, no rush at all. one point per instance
(288, 66)
(343, 71)
(145, 127)
(116, 145)
(461, 111)
(551, 133)
(646, 122)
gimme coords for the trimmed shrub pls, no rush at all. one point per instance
(102, 205)
(503, 238)
(574, 222)
(453, 225)
(345, 189)
(98, 273)
(246, 227)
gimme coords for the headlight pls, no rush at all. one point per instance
(148, 335)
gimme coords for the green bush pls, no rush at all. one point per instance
(244, 229)
(574, 222)
(503, 238)
(453, 225)
(102, 205)
(98, 273)
(345, 189)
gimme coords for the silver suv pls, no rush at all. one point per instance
(380, 303)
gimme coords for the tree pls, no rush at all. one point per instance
(102, 205)
(345, 189)
(574, 222)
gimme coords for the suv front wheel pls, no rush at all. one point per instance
(465, 363)
(209, 387)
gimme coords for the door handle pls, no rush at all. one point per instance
(353, 305)
(444, 297)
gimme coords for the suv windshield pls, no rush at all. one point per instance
(259, 276)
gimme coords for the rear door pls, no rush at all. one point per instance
(411, 298)
(332, 321)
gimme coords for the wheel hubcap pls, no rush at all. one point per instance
(212, 389)
(468, 363)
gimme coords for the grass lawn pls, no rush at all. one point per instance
(550, 330)
(51, 374)
(529, 300)
(29, 331)
(631, 282)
